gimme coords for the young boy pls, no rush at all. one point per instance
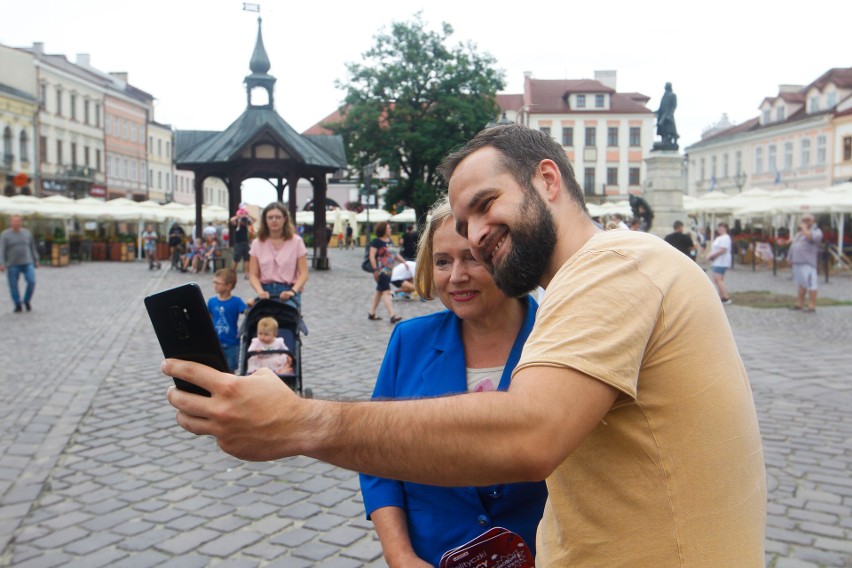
(225, 310)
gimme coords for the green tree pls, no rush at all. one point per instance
(411, 101)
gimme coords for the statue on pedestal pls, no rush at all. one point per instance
(666, 128)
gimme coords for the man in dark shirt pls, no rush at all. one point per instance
(409, 244)
(681, 241)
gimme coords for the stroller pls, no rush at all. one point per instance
(290, 326)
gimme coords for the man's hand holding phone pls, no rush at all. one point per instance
(252, 418)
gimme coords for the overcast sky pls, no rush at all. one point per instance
(723, 56)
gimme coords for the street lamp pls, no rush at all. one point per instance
(740, 180)
(368, 189)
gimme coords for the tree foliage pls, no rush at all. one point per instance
(411, 101)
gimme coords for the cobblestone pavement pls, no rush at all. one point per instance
(95, 472)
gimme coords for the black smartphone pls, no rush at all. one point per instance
(185, 330)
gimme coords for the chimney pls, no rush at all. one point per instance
(790, 88)
(84, 60)
(120, 75)
(607, 78)
(38, 47)
(527, 74)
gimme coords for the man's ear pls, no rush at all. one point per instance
(552, 177)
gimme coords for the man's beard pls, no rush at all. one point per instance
(533, 241)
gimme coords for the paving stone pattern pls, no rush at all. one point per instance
(95, 472)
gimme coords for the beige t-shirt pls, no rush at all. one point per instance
(674, 475)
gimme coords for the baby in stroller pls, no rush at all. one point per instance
(269, 351)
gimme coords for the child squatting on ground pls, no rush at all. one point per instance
(225, 310)
(267, 340)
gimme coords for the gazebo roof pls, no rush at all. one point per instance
(258, 125)
(205, 147)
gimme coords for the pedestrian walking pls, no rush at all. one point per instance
(149, 245)
(721, 258)
(803, 253)
(382, 257)
(19, 257)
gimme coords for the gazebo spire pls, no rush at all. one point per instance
(260, 77)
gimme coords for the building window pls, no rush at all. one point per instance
(98, 160)
(150, 143)
(59, 101)
(86, 156)
(814, 104)
(159, 180)
(73, 106)
(713, 167)
(635, 136)
(8, 155)
(739, 164)
(612, 136)
(589, 181)
(567, 136)
(633, 174)
(599, 101)
(788, 156)
(758, 160)
(702, 174)
(773, 158)
(42, 149)
(725, 168)
(59, 152)
(544, 130)
(591, 136)
(86, 114)
(847, 148)
(779, 113)
(820, 149)
(98, 115)
(42, 96)
(168, 150)
(830, 100)
(133, 132)
(125, 130)
(24, 143)
(765, 117)
(581, 101)
(612, 177)
(159, 150)
(805, 160)
(108, 124)
(73, 154)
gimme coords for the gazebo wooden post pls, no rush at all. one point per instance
(199, 201)
(292, 205)
(320, 233)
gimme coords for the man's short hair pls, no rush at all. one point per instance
(678, 225)
(522, 149)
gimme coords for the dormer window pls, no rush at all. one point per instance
(779, 113)
(765, 117)
(813, 103)
(599, 101)
(830, 99)
(581, 101)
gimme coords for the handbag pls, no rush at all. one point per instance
(365, 264)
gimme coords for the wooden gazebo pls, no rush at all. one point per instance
(260, 144)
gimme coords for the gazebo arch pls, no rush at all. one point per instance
(259, 143)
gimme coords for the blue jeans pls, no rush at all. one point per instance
(13, 273)
(232, 356)
(275, 289)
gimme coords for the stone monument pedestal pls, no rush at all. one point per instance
(664, 190)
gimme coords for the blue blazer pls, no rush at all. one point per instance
(425, 358)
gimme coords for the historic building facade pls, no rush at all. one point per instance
(606, 134)
(797, 141)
